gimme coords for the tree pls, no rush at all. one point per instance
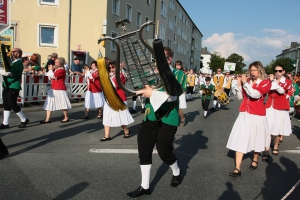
(216, 61)
(238, 60)
(269, 69)
(285, 62)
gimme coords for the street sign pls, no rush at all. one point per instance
(4, 15)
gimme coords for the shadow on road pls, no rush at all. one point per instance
(189, 147)
(230, 194)
(296, 131)
(72, 191)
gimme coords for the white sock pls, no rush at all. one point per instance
(6, 115)
(175, 169)
(205, 113)
(145, 169)
(214, 103)
(143, 105)
(22, 116)
(219, 105)
(133, 105)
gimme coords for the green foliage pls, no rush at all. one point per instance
(269, 69)
(285, 62)
(216, 61)
(239, 60)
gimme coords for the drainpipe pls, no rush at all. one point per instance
(69, 34)
(155, 36)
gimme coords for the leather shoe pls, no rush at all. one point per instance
(176, 180)
(139, 192)
(235, 174)
(45, 122)
(2, 126)
(23, 124)
(62, 121)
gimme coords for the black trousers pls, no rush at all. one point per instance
(134, 98)
(205, 104)
(227, 91)
(10, 97)
(190, 90)
(156, 133)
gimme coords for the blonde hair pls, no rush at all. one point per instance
(61, 60)
(259, 66)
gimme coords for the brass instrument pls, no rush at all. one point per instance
(5, 58)
(222, 97)
(207, 92)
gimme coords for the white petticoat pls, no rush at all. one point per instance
(249, 133)
(114, 118)
(57, 100)
(182, 101)
(94, 100)
(279, 122)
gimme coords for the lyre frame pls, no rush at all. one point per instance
(128, 35)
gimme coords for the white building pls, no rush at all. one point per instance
(206, 55)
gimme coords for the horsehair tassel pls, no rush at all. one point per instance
(171, 85)
(110, 94)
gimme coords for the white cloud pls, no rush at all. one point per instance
(250, 47)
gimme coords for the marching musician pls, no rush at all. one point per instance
(218, 81)
(190, 85)
(250, 131)
(278, 107)
(11, 88)
(158, 128)
(94, 96)
(206, 90)
(227, 83)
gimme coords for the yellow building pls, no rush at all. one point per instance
(70, 27)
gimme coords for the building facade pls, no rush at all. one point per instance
(72, 27)
(292, 52)
(206, 55)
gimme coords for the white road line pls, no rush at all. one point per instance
(126, 151)
(291, 190)
(291, 151)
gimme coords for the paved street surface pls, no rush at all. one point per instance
(67, 161)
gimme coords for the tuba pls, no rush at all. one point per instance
(222, 97)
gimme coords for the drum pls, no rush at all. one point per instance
(222, 97)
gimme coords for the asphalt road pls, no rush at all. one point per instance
(64, 160)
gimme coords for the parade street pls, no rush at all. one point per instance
(67, 161)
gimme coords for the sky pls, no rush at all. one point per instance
(254, 29)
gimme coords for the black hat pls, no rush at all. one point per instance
(76, 58)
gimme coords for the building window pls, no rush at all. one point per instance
(163, 9)
(129, 12)
(139, 19)
(149, 2)
(48, 35)
(162, 32)
(147, 27)
(172, 5)
(170, 44)
(113, 46)
(116, 7)
(49, 2)
(171, 25)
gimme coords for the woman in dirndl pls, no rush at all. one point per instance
(181, 78)
(94, 96)
(57, 97)
(250, 131)
(278, 107)
(112, 118)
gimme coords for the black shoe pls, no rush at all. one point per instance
(187, 100)
(139, 192)
(2, 126)
(23, 124)
(105, 139)
(45, 122)
(252, 166)
(213, 109)
(3, 150)
(127, 135)
(132, 111)
(176, 180)
(85, 117)
(235, 174)
(143, 110)
(62, 121)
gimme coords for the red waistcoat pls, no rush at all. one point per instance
(280, 101)
(256, 106)
(94, 82)
(58, 83)
(120, 92)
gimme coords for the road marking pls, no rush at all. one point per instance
(291, 151)
(291, 190)
(125, 151)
